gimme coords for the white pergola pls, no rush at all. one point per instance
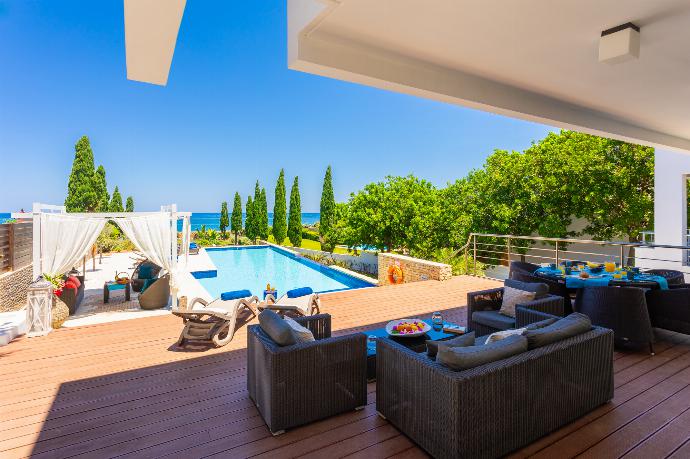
(173, 257)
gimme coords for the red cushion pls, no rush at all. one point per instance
(76, 280)
(70, 284)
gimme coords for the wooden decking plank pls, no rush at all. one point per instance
(384, 449)
(664, 441)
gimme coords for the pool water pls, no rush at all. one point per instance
(253, 267)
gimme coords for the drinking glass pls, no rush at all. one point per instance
(371, 342)
(437, 321)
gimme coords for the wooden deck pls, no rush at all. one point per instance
(123, 389)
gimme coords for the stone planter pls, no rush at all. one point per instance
(60, 312)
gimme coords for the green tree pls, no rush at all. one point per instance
(82, 190)
(249, 220)
(129, 206)
(327, 209)
(294, 230)
(116, 202)
(280, 210)
(224, 219)
(339, 233)
(101, 189)
(263, 215)
(256, 211)
(236, 220)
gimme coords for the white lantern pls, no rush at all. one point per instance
(39, 299)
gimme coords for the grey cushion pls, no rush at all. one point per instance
(541, 324)
(493, 319)
(571, 325)
(276, 328)
(540, 289)
(459, 341)
(463, 358)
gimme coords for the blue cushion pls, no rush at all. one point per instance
(147, 284)
(493, 319)
(297, 292)
(145, 271)
(235, 295)
(192, 245)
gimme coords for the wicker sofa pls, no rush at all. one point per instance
(73, 298)
(488, 303)
(491, 410)
(305, 382)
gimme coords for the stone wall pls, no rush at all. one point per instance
(366, 262)
(13, 287)
(414, 269)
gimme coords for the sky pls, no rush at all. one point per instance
(232, 112)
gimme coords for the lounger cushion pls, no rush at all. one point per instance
(276, 328)
(463, 358)
(571, 325)
(297, 292)
(235, 295)
(302, 334)
(493, 319)
(460, 341)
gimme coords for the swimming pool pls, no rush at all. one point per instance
(253, 267)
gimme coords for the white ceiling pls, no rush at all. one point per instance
(541, 50)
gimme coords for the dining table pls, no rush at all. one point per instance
(598, 277)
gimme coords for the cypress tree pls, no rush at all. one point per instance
(236, 219)
(249, 219)
(101, 189)
(327, 208)
(116, 202)
(129, 207)
(263, 217)
(256, 212)
(295, 219)
(82, 193)
(224, 219)
(280, 210)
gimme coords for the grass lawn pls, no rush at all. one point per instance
(307, 244)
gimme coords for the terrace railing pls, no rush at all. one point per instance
(15, 245)
(492, 253)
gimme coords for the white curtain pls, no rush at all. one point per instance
(151, 234)
(65, 240)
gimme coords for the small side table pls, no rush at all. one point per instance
(273, 293)
(111, 286)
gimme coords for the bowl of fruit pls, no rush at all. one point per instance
(407, 328)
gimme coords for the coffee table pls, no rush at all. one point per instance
(417, 344)
(111, 286)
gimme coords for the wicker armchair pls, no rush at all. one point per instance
(670, 309)
(490, 300)
(522, 266)
(305, 382)
(137, 283)
(672, 277)
(491, 410)
(622, 309)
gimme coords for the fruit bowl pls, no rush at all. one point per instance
(407, 328)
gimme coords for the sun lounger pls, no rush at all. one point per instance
(300, 301)
(214, 321)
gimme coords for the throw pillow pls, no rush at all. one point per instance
(513, 297)
(276, 328)
(539, 288)
(75, 280)
(499, 335)
(302, 334)
(540, 324)
(571, 325)
(464, 358)
(459, 341)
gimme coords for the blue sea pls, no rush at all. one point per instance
(212, 220)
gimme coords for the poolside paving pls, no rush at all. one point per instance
(123, 389)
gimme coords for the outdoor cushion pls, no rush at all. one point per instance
(463, 358)
(145, 271)
(540, 324)
(302, 334)
(512, 297)
(493, 319)
(70, 284)
(459, 341)
(75, 280)
(276, 328)
(503, 334)
(192, 245)
(540, 289)
(297, 292)
(235, 295)
(147, 283)
(571, 325)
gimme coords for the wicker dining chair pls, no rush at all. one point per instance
(521, 266)
(672, 277)
(622, 309)
(670, 309)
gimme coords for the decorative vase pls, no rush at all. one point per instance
(59, 311)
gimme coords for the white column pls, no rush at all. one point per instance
(173, 253)
(36, 211)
